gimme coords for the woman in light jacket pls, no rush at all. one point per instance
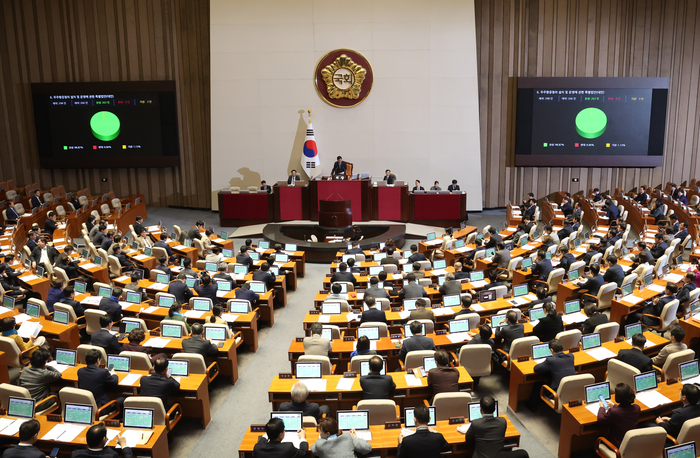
(334, 444)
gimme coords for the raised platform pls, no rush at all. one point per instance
(325, 252)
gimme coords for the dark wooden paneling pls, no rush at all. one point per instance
(108, 40)
(642, 38)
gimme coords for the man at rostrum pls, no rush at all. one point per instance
(340, 167)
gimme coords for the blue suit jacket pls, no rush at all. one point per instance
(558, 366)
(97, 381)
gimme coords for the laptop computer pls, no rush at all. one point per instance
(40, 271)
(119, 363)
(459, 243)
(60, 317)
(8, 302)
(32, 310)
(204, 305)
(364, 368)
(148, 251)
(441, 280)
(474, 411)
(178, 367)
(594, 391)
(572, 306)
(689, 370)
(573, 275)
(410, 420)
(477, 275)
(407, 254)
(648, 279)
(371, 332)
(490, 252)
(258, 287)
(645, 381)
(375, 270)
(20, 407)
(632, 329)
(173, 331)
(589, 341)
(264, 244)
(283, 258)
(327, 333)
(227, 253)
(187, 243)
(80, 287)
(451, 301)
(430, 236)
(293, 421)
(686, 450)
(239, 307)
(330, 308)
(210, 266)
(240, 269)
(346, 257)
(526, 264)
(537, 314)
(104, 291)
(378, 257)
(138, 418)
(215, 333)
(357, 420)
(127, 325)
(165, 301)
(487, 296)
(498, 320)
(407, 330)
(191, 282)
(541, 350)
(78, 413)
(407, 268)
(308, 370)
(520, 290)
(456, 326)
(627, 289)
(429, 363)
(409, 305)
(163, 278)
(290, 247)
(440, 264)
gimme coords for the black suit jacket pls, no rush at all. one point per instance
(97, 381)
(658, 250)
(267, 277)
(289, 180)
(614, 274)
(389, 179)
(423, 444)
(276, 449)
(593, 284)
(160, 387)
(375, 386)
(635, 358)
(181, 292)
(493, 240)
(50, 227)
(106, 243)
(196, 344)
(453, 188)
(267, 188)
(413, 343)
(557, 366)
(32, 245)
(104, 453)
(12, 214)
(138, 228)
(415, 257)
(542, 269)
(50, 252)
(339, 168)
(36, 202)
(23, 452)
(310, 409)
(112, 308)
(548, 328)
(77, 306)
(248, 295)
(508, 333)
(487, 435)
(165, 246)
(194, 234)
(680, 416)
(373, 315)
(566, 261)
(103, 338)
(593, 321)
(344, 276)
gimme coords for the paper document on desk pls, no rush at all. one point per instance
(159, 286)
(59, 247)
(673, 278)
(518, 301)
(229, 317)
(580, 250)
(123, 278)
(111, 434)
(324, 318)
(345, 384)
(464, 249)
(695, 379)
(5, 422)
(13, 428)
(130, 379)
(352, 317)
(433, 242)
(179, 247)
(21, 318)
(4, 310)
(157, 342)
(404, 315)
(479, 283)
(151, 309)
(625, 268)
(477, 308)
(445, 311)
(528, 247)
(462, 429)
(125, 305)
(140, 257)
(315, 384)
(459, 337)
(632, 299)
(601, 353)
(366, 435)
(29, 277)
(396, 277)
(657, 288)
(534, 323)
(88, 266)
(411, 380)
(91, 300)
(59, 367)
(407, 432)
(133, 437)
(29, 329)
(593, 408)
(510, 229)
(439, 272)
(577, 317)
(194, 313)
(647, 344)
(292, 437)
(652, 399)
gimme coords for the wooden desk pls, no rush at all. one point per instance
(522, 374)
(194, 397)
(39, 285)
(386, 441)
(97, 273)
(157, 445)
(620, 309)
(580, 428)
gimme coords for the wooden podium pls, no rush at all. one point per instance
(335, 213)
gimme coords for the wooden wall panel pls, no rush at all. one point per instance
(45, 41)
(641, 38)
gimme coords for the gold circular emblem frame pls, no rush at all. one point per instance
(322, 88)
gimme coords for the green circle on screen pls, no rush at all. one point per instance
(591, 122)
(105, 126)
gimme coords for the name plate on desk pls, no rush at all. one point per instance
(523, 358)
(440, 332)
(185, 307)
(51, 417)
(456, 420)
(574, 349)
(323, 292)
(392, 425)
(257, 428)
(350, 374)
(396, 336)
(299, 339)
(285, 375)
(619, 339)
(112, 423)
(155, 333)
(671, 381)
(575, 402)
(314, 312)
(348, 338)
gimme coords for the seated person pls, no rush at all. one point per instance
(104, 338)
(336, 289)
(196, 344)
(421, 313)
(443, 378)
(135, 337)
(377, 386)
(163, 267)
(468, 262)
(614, 273)
(411, 289)
(676, 344)
(654, 308)
(542, 266)
(415, 255)
(487, 434)
(688, 285)
(590, 309)
(207, 288)
(127, 266)
(510, 331)
(342, 274)
(175, 314)
(593, 283)
(417, 187)
(246, 294)
(483, 337)
(111, 304)
(635, 356)
(180, 290)
(28, 436)
(8, 325)
(541, 294)
(424, 443)
(315, 344)
(163, 243)
(265, 187)
(194, 233)
(134, 286)
(659, 247)
(299, 403)
(416, 342)
(221, 274)
(363, 347)
(374, 314)
(390, 258)
(244, 258)
(38, 377)
(96, 438)
(264, 274)
(374, 290)
(69, 299)
(502, 256)
(97, 380)
(416, 271)
(355, 249)
(492, 238)
(215, 317)
(272, 445)
(621, 417)
(566, 259)
(550, 325)
(459, 273)
(159, 384)
(436, 186)
(466, 301)
(453, 187)
(690, 394)
(556, 367)
(187, 268)
(451, 286)
(215, 255)
(333, 443)
(351, 266)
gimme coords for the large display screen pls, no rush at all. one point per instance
(591, 122)
(109, 124)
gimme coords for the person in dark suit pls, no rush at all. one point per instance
(342, 274)
(246, 294)
(415, 255)
(594, 318)
(451, 286)
(642, 196)
(557, 366)
(635, 356)
(32, 238)
(614, 274)
(387, 177)
(374, 385)
(468, 262)
(566, 207)
(411, 289)
(265, 187)
(466, 304)
(43, 252)
(111, 305)
(594, 282)
(340, 167)
(107, 240)
(549, 326)
(69, 299)
(417, 187)
(443, 378)
(493, 238)
(621, 417)
(96, 440)
(683, 232)
(510, 331)
(611, 210)
(50, 223)
(483, 337)
(138, 225)
(459, 273)
(453, 187)
(566, 259)
(542, 266)
(36, 199)
(292, 178)
(272, 445)
(487, 434)
(12, 215)
(28, 435)
(375, 291)
(655, 307)
(196, 344)
(416, 341)
(97, 380)
(194, 232)
(373, 314)
(529, 212)
(683, 294)
(160, 384)
(105, 339)
(424, 443)
(127, 266)
(390, 259)
(99, 235)
(566, 230)
(355, 249)
(690, 394)
(163, 267)
(265, 275)
(299, 403)
(502, 256)
(162, 244)
(657, 211)
(244, 258)
(659, 246)
(180, 290)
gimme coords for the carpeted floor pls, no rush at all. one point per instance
(234, 408)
